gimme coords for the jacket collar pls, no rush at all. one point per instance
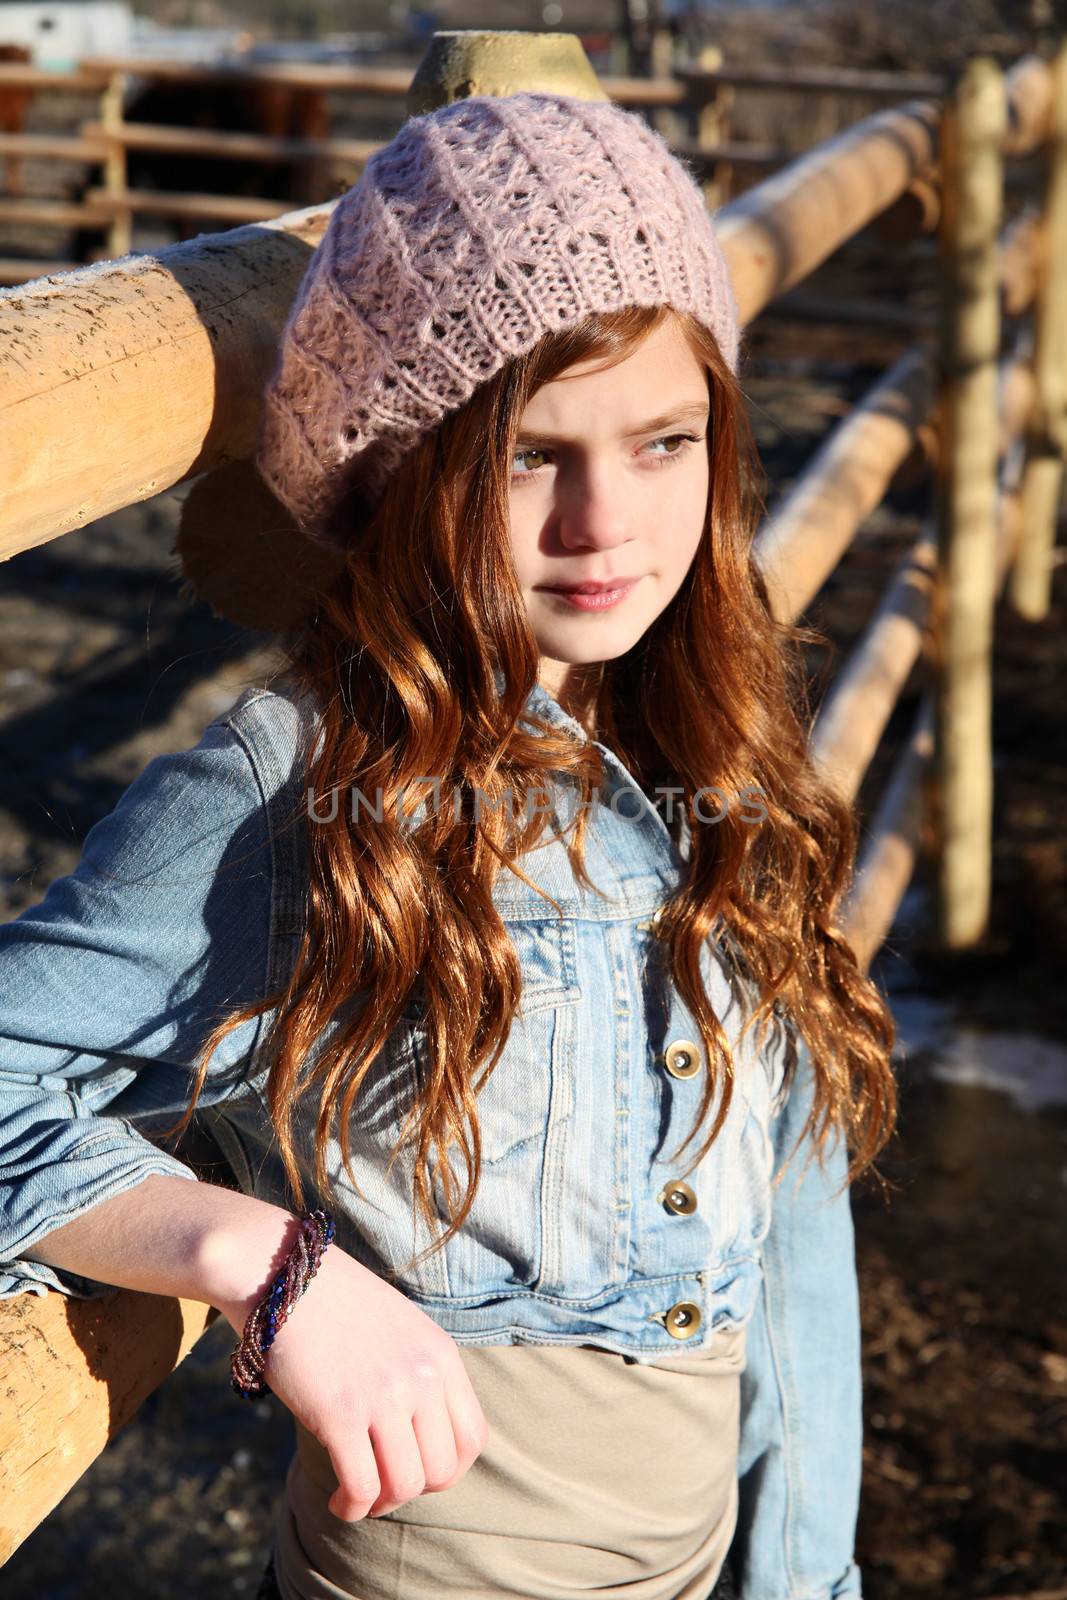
(616, 776)
(545, 705)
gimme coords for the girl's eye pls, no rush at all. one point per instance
(519, 455)
(681, 440)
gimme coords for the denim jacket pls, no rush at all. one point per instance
(189, 900)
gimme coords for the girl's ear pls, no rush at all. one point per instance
(239, 550)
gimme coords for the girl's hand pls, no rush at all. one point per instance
(378, 1383)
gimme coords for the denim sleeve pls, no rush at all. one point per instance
(109, 987)
(801, 1440)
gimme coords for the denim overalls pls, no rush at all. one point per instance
(188, 900)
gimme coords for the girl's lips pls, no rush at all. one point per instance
(593, 602)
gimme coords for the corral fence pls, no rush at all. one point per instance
(168, 353)
(690, 104)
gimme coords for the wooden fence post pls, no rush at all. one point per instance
(665, 119)
(1042, 479)
(120, 228)
(713, 126)
(972, 135)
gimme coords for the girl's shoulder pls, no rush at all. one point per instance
(273, 720)
(227, 799)
(273, 723)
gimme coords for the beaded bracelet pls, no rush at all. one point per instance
(300, 1266)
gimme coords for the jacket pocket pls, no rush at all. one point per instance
(515, 1104)
(521, 1107)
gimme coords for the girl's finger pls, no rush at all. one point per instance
(432, 1426)
(396, 1450)
(358, 1479)
(469, 1427)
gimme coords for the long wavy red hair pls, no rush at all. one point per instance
(399, 659)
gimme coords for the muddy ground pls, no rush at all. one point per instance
(103, 663)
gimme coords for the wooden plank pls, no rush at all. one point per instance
(260, 147)
(216, 142)
(24, 75)
(51, 147)
(31, 213)
(391, 82)
(176, 203)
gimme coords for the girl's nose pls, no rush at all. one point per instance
(592, 507)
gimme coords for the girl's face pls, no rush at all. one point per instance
(609, 484)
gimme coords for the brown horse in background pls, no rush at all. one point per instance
(277, 110)
(14, 104)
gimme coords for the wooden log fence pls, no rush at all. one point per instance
(906, 815)
(973, 136)
(696, 96)
(169, 353)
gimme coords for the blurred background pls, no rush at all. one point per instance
(107, 657)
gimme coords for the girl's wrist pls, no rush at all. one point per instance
(243, 1254)
(270, 1313)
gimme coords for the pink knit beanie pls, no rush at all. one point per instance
(479, 228)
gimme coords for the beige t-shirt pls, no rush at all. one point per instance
(600, 1475)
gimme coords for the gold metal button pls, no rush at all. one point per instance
(679, 1198)
(683, 1320)
(682, 1059)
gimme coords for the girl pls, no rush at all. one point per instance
(521, 854)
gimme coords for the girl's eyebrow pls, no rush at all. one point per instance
(696, 411)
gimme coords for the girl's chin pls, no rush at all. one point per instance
(605, 647)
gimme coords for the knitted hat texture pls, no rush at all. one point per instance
(480, 227)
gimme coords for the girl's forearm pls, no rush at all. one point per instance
(169, 1236)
